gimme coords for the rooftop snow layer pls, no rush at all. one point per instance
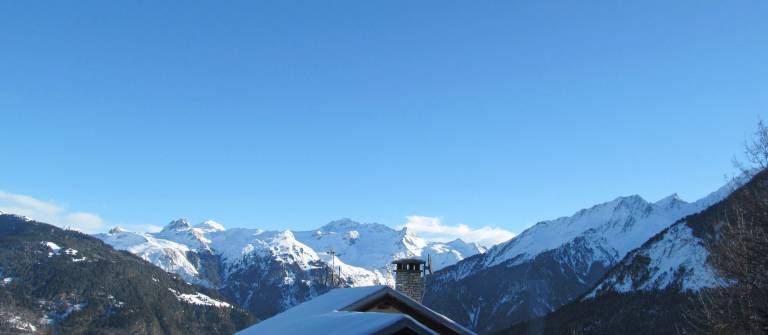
(326, 314)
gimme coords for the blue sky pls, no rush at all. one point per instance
(287, 114)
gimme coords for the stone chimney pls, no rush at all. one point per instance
(409, 277)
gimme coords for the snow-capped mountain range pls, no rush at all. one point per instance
(621, 225)
(546, 266)
(656, 288)
(363, 251)
(555, 261)
(244, 263)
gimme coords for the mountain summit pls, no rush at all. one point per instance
(177, 225)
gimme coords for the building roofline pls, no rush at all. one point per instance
(423, 310)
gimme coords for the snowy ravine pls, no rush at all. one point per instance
(269, 271)
(556, 261)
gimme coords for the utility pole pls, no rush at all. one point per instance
(339, 275)
(333, 265)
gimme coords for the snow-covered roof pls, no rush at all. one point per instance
(342, 311)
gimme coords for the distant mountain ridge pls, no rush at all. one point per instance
(660, 278)
(545, 267)
(251, 265)
(553, 262)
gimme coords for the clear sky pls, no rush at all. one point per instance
(287, 114)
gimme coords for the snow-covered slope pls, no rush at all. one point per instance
(168, 255)
(624, 223)
(294, 263)
(677, 257)
(553, 262)
(663, 276)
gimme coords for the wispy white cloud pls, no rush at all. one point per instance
(50, 212)
(431, 228)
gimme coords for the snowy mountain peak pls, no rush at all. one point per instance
(631, 202)
(671, 201)
(345, 225)
(606, 210)
(210, 226)
(634, 198)
(117, 230)
(460, 244)
(285, 234)
(343, 222)
(178, 224)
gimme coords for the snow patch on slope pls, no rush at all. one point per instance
(18, 323)
(55, 248)
(199, 299)
(168, 255)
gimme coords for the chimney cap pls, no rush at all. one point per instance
(409, 261)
